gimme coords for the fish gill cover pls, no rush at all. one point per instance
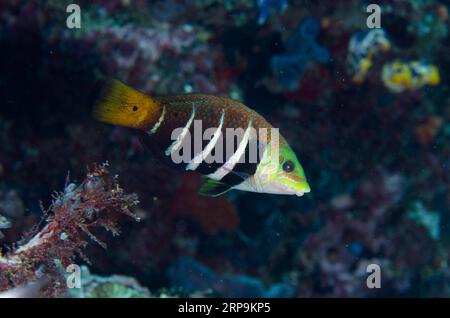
(367, 111)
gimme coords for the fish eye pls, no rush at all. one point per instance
(288, 166)
(135, 108)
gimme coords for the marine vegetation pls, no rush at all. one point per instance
(365, 111)
(260, 161)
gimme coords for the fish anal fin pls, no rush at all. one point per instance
(213, 188)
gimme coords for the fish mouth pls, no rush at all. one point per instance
(300, 193)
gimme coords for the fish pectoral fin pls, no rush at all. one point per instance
(213, 188)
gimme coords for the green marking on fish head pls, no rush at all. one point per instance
(280, 172)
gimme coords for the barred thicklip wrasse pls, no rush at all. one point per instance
(237, 149)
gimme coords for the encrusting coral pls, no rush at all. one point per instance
(302, 49)
(96, 202)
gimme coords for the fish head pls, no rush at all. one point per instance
(281, 173)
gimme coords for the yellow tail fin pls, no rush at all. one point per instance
(120, 104)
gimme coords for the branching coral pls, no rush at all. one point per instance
(96, 202)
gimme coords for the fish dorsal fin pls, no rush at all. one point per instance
(213, 188)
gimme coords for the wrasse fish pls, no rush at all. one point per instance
(275, 168)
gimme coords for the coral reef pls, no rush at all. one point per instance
(363, 48)
(73, 212)
(376, 158)
(4, 224)
(115, 286)
(191, 276)
(267, 6)
(429, 219)
(398, 76)
(212, 214)
(427, 130)
(136, 54)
